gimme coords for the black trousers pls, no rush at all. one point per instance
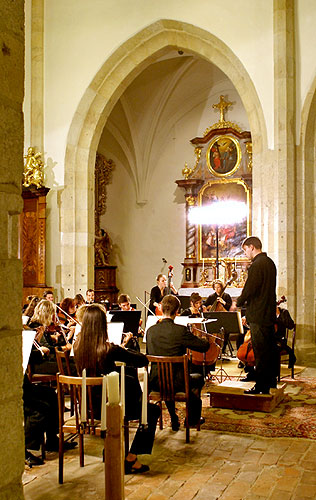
(195, 403)
(40, 414)
(266, 355)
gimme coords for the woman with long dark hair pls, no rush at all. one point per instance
(97, 355)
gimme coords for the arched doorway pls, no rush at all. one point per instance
(77, 210)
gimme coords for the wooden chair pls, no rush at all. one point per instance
(284, 353)
(62, 358)
(165, 365)
(73, 424)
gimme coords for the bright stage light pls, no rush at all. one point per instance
(219, 213)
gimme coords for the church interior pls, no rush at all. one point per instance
(132, 115)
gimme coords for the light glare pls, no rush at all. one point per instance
(219, 213)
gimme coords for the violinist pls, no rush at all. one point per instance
(49, 335)
(124, 302)
(90, 296)
(48, 295)
(219, 296)
(79, 300)
(158, 292)
(130, 342)
(196, 308)
(66, 311)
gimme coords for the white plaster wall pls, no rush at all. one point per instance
(80, 35)
(144, 234)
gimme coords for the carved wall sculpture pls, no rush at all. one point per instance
(104, 274)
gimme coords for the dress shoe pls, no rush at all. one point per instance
(201, 422)
(31, 460)
(255, 390)
(175, 425)
(54, 445)
(130, 469)
(247, 379)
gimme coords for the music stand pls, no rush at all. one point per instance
(227, 322)
(129, 318)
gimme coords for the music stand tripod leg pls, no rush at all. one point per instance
(221, 370)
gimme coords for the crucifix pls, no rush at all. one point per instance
(222, 105)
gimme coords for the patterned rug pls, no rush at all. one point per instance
(294, 417)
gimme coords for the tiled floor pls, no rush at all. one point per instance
(213, 466)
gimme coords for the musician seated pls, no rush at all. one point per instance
(168, 339)
(124, 302)
(283, 322)
(218, 296)
(48, 295)
(29, 311)
(79, 300)
(195, 310)
(158, 292)
(90, 296)
(67, 316)
(48, 335)
(40, 415)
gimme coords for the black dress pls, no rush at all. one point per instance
(144, 439)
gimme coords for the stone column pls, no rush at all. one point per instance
(37, 90)
(284, 190)
(11, 169)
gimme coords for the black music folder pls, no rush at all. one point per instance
(129, 318)
(229, 320)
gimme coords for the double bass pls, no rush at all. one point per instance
(167, 290)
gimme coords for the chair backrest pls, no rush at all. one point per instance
(165, 369)
(62, 358)
(75, 383)
(293, 330)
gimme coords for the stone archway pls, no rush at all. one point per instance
(306, 228)
(77, 210)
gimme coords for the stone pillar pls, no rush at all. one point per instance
(37, 63)
(11, 169)
(284, 105)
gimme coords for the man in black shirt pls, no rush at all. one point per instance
(168, 339)
(259, 296)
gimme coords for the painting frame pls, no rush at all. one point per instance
(223, 155)
(219, 190)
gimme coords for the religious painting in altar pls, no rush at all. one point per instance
(230, 234)
(223, 156)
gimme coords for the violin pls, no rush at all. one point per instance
(217, 306)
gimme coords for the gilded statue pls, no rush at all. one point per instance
(33, 169)
(102, 248)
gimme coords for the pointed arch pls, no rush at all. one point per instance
(118, 71)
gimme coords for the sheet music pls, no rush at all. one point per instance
(115, 332)
(27, 341)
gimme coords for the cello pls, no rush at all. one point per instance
(245, 352)
(209, 357)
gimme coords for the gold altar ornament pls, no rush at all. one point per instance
(33, 169)
(187, 171)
